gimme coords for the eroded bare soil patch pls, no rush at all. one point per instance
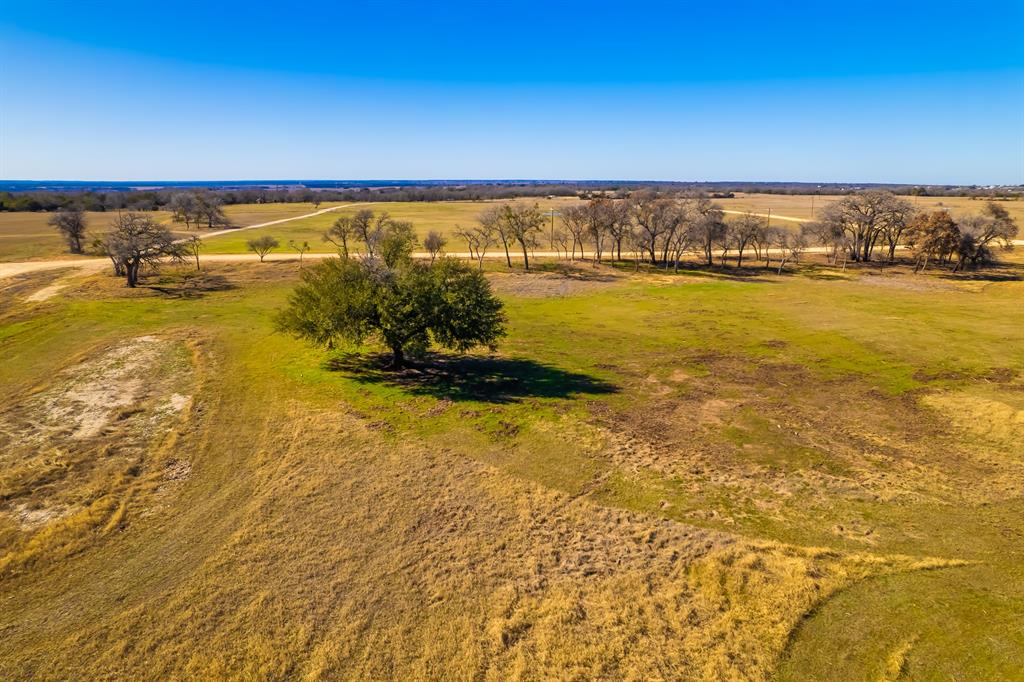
(74, 452)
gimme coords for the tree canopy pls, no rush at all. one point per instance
(405, 304)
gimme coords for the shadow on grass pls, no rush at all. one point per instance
(980, 275)
(460, 378)
(188, 286)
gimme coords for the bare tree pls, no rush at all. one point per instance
(867, 216)
(208, 209)
(491, 222)
(433, 243)
(980, 233)
(138, 240)
(478, 239)
(599, 219)
(791, 246)
(262, 245)
(523, 223)
(576, 220)
(301, 248)
(339, 234)
(828, 234)
(70, 222)
(899, 212)
(619, 224)
(636, 242)
(679, 243)
(193, 245)
(184, 209)
(560, 242)
(368, 229)
(724, 241)
(657, 217)
(743, 232)
(707, 226)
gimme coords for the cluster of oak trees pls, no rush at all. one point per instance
(874, 224)
(661, 228)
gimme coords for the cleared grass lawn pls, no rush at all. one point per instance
(440, 216)
(703, 476)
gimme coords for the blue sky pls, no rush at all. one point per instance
(883, 92)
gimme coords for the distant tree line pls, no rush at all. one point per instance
(164, 198)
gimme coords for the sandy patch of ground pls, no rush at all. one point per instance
(86, 401)
(81, 451)
(46, 292)
(547, 284)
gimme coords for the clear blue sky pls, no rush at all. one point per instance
(929, 92)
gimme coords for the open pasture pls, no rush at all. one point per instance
(805, 206)
(25, 235)
(440, 216)
(698, 476)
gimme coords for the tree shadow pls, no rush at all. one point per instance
(190, 285)
(480, 378)
(980, 275)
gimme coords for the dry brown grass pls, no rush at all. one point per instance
(354, 556)
(77, 452)
(404, 563)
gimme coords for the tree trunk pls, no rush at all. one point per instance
(132, 273)
(397, 357)
(526, 259)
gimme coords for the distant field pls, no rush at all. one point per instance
(251, 214)
(801, 205)
(25, 236)
(441, 216)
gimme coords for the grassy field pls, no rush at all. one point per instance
(443, 217)
(806, 206)
(702, 476)
(25, 236)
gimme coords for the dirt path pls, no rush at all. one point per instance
(770, 215)
(232, 230)
(93, 264)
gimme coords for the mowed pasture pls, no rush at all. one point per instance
(806, 206)
(26, 235)
(443, 217)
(695, 476)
